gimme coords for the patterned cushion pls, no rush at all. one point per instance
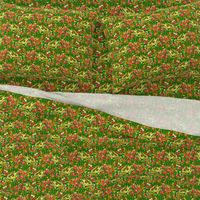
(139, 48)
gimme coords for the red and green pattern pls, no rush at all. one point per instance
(141, 48)
(49, 150)
(54, 151)
(46, 48)
(155, 52)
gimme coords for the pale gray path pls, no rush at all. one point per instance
(182, 115)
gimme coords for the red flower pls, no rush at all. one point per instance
(191, 50)
(19, 160)
(31, 55)
(48, 124)
(104, 182)
(22, 174)
(102, 154)
(168, 170)
(73, 138)
(49, 87)
(5, 28)
(130, 155)
(185, 24)
(128, 22)
(108, 169)
(92, 15)
(46, 184)
(196, 169)
(165, 189)
(137, 189)
(76, 182)
(107, 191)
(102, 140)
(6, 40)
(73, 156)
(193, 62)
(78, 171)
(160, 156)
(38, 17)
(65, 45)
(162, 55)
(47, 159)
(34, 42)
(191, 36)
(3, 54)
(77, 196)
(193, 181)
(50, 197)
(190, 155)
(99, 120)
(147, 10)
(9, 15)
(70, 112)
(138, 169)
(156, 28)
(166, 67)
(60, 59)
(68, 19)
(32, 28)
(195, 193)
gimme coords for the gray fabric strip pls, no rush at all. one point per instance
(182, 115)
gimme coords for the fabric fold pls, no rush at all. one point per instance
(182, 115)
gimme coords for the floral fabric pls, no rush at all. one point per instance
(49, 150)
(138, 48)
(54, 151)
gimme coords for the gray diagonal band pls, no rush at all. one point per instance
(182, 115)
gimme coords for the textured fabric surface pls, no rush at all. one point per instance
(155, 52)
(54, 151)
(50, 150)
(140, 48)
(46, 47)
(169, 113)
